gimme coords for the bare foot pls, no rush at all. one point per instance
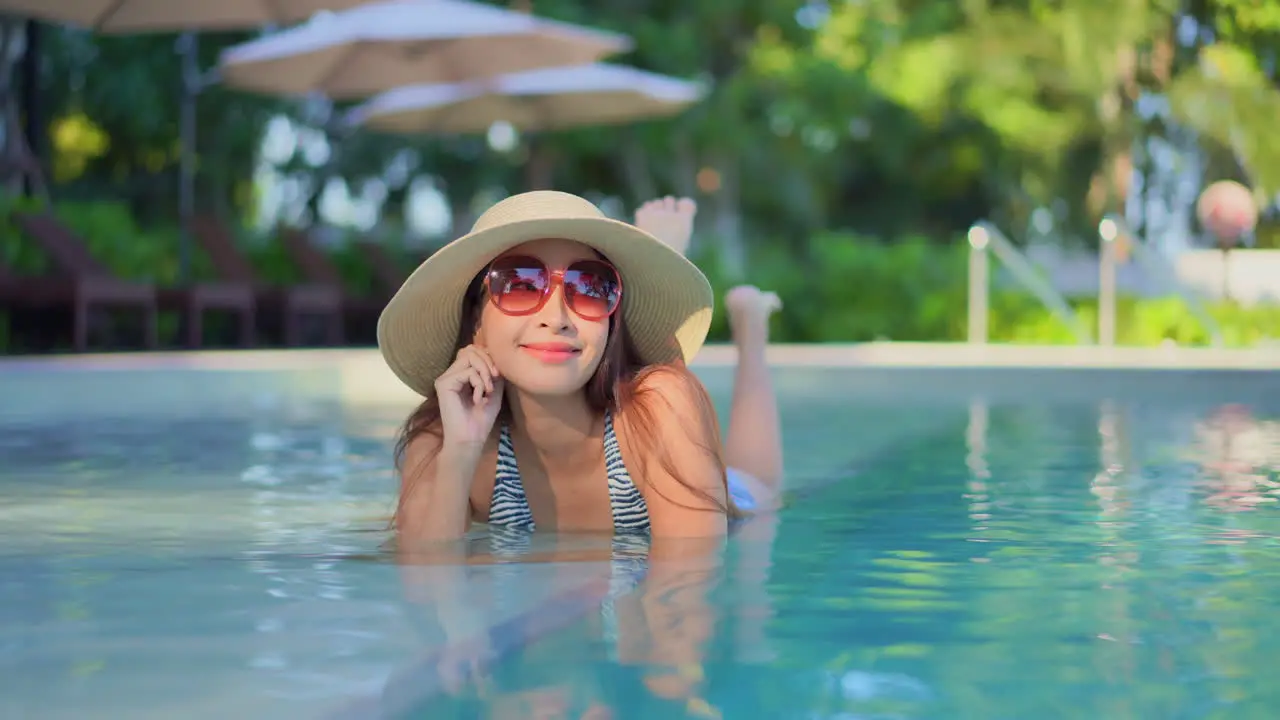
(669, 219)
(749, 309)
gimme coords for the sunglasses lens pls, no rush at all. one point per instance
(592, 289)
(517, 284)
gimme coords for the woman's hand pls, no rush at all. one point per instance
(466, 664)
(470, 395)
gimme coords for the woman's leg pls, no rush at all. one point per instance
(754, 439)
(753, 442)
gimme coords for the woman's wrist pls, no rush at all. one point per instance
(460, 459)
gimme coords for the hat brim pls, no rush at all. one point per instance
(667, 303)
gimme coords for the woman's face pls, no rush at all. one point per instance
(552, 351)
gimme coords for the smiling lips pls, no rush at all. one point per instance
(551, 352)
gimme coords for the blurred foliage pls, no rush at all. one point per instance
(109, 232)
(886, 117)
(859, 289)
(854, 138)
(851, 288)
(112, 236)
(1058, 86)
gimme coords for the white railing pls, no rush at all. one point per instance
(1110, 230)
(986, 239)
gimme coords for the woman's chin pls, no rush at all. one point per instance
(550, 383)
(532, 377)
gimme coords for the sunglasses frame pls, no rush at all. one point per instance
(555, 277)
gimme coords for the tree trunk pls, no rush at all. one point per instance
(636, 171)
(18, 167)
(540, 166)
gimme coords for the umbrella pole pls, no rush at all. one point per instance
(539, 165)
(188, 45)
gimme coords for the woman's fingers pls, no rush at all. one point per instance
(478, 676)
(482, 357)
(450, 382)
(472, 367)
(460, 669)
(480, 360)
(450, 676)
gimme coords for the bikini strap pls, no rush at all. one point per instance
(509, 506)
(630, 512)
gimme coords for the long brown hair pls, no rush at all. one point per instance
(618, 386)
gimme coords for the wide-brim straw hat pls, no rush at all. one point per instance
(667, 302)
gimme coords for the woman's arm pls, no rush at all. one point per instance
(681, 474)
(435, 491)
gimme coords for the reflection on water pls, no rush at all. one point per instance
(976, 460)
(635, 637)
(283, 474)
(150, 567)
(1097, 590)
(1240, 458)
(1026, 560)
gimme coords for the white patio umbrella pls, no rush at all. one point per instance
(142, 16)
(532, 101)
(383, 45)
(124, 17)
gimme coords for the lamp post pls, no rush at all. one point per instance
(1227, 211)
(979, 284)
(1108, 231)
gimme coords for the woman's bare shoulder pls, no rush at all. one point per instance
(680, 473)
(678, 389)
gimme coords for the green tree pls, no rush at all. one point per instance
(1058, 84)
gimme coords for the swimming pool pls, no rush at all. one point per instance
(179, 540)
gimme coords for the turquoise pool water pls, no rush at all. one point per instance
(960, 544)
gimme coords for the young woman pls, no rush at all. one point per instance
(550, 345)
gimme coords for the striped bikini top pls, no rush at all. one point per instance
(509, 507)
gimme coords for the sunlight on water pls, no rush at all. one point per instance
(1109, 555)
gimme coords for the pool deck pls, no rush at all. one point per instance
(871, 354)
(158, 384)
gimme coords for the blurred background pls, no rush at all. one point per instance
(266, 173)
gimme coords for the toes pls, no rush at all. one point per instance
(669, 204)
(744, 297)
(740, 297)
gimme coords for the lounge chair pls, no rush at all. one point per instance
(287, 304)
(388, 273)
(361, 310)
(79, 283)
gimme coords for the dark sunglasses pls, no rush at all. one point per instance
(520, 285)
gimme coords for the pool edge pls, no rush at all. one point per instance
(835, 355)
